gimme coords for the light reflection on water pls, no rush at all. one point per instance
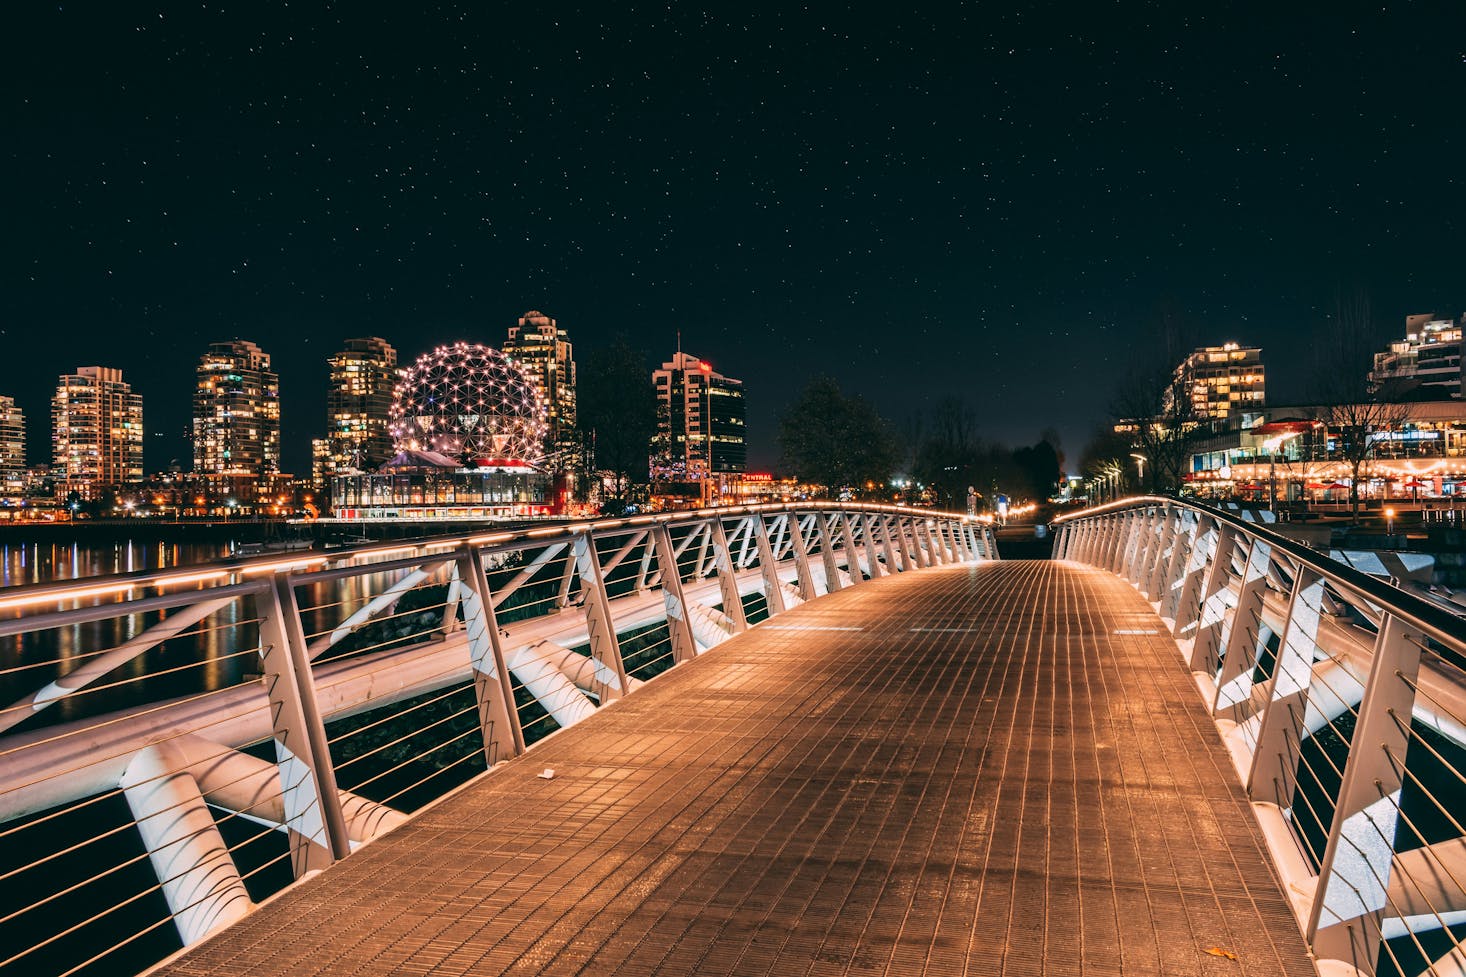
(215, 654)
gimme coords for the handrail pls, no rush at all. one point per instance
(386, 674)
(1330, 725)
(1443, 626)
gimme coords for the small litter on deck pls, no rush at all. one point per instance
(547, 774)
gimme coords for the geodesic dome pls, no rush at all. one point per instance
(468, 397)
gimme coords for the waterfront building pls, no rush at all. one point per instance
(1290, 455)
(12, 439)
(363, 377)
(1223, 381)
(12, 453)
(1426, 364)
(236, 411)
(701, 440)
(540, 348)
(469, 429)
(96, 431)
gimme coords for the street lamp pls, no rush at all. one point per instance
(1139, 469)
(1389, 522)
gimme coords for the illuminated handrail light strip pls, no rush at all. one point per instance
(65, 595)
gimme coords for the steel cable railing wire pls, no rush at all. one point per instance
(629, 563)
(1338, 710)
(216, 822)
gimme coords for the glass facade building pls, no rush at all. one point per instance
(96, 430)
(236, 411)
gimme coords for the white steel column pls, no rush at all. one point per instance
(604, 646)
(1243, 639)
(1275, 760)
(679, 626)
(824, 524)
(768, 566)
(801, 558)
(727, 577)
(1212, 620)
(1186, 609)
(1172, 577)
(1354, 875)
(313, 816)
(492, 688)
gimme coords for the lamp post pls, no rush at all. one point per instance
(1139, 469)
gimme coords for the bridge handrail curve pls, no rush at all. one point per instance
(1443, 627)
(570, 615)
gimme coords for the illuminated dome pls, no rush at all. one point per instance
(468, 398)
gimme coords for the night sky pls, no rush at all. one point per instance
(993, 201)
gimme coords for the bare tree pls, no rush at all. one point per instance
(1153, 408)
(1352, 409)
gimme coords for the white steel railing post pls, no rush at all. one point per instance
(1116, 525)
(824, 523)
(1094, 540)
(891, 562)
(1136, 532)
(872, 547)
(1240, 642)
(313, 817)
(1212, 620)
(727, 576)
(768, 566)
(1148, 527)
(949, 540)
(910, 549)
(801, 557)
(604, 646)
(1172, 578)
(679, 625)
(925, 555)
(1275, 759)
(1185, 610)
(1158, 572)
(1354, 873)
(492, 688)
(852, 552)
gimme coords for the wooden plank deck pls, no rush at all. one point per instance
(956, 771)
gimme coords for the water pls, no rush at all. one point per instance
(29, 562)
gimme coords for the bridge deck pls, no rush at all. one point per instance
(953, 771)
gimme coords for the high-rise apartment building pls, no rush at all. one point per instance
(1223, 381)
(236, 411)
(540, 348)
(96, 430)
(363, 377)
(1426, 364)
(12, 438)
(700, 423)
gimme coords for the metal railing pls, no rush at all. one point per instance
(1342, 701)
(179, 745)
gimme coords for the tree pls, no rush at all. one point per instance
(948, 456)
(1039, 466)
(1154, 409)
(836, 440)
(616, 410)
(1106, 458)
(1350, 407)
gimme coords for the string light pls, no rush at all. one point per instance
(468, 398)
